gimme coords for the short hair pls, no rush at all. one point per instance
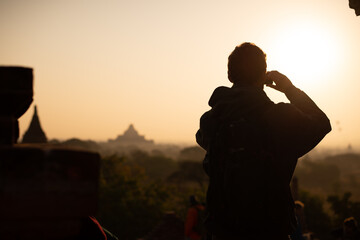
(246, 63)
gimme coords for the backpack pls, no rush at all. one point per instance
(238, 162)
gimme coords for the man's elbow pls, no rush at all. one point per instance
(200, 139)
(326, 127)
(329, 128)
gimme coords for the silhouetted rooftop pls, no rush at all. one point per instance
(34, 134)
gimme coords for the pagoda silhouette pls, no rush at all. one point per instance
(131, 136)
(34, 134)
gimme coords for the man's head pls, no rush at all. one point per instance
(247, 64)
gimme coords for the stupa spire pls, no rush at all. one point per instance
(34, 134)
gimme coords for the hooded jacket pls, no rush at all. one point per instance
(291, 130)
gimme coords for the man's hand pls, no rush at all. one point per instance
(282, 83)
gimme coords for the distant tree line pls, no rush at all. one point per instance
(330, 190)
(331, 175)
(137, 189)
(323, 216)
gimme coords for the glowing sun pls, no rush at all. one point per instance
(304, 52)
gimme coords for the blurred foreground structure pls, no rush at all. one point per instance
(45, 192)
(355, 4)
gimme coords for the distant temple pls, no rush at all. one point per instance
(131, 136)
(34, 134)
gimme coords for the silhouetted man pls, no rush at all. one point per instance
(252, 149)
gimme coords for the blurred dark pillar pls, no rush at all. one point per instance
(16, 92)
(45, 192)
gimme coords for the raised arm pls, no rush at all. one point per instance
(300, 125)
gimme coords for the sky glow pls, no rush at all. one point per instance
(102, 65)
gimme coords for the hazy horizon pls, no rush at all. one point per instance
(322, 150)
(102, 65)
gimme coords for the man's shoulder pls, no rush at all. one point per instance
(282, 111)
(218, 94)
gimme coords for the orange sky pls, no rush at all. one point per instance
(101, 65)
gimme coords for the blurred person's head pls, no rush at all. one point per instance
(350, 225)
(247, 65)
(193, 200)
(299, 206)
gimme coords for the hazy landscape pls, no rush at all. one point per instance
(140, 183)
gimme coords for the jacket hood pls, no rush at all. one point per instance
(228, 104)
